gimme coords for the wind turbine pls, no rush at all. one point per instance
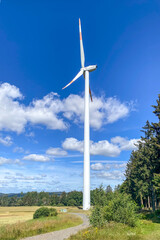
(85, 72)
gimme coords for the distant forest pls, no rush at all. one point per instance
(73, 198)
(142, 176)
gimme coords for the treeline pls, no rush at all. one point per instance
(73, 198)
(143, 169)
(34, 198)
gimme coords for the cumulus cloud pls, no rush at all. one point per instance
(97, 166)
(4, 160)
(73, 144)
(45, 111)
(103, 148)
(6, 141)
(123, 165)
(55, 113)
(56, 152)
(12, 113)
(124, 143)
(37, 158)
(102, 110)
(100, 166)
(9, 161)
(114, 175)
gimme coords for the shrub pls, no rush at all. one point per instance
(99, 196)
(97, 217)
(45, 212)
(121, 209)
(41, 212)
(53, 212)
(72, 202)
(118, 207)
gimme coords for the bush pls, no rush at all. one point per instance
(97, 217)
(44, 212)
(119, 207)
(72, 202)
(41, 212)
(53, 212)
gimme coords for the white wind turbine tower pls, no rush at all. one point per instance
(85, 72)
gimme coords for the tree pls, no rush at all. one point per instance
(63, 198)
(144, 163)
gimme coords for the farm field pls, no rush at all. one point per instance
(9, 215)
(18, 222)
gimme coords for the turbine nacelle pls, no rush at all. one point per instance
(90, 68)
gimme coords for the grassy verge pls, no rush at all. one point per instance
(38, 226)
(78, 210)
(147, 229)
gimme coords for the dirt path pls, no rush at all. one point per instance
(62, 234)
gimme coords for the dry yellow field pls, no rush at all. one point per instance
(9, 215)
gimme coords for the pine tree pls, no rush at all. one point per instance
(143, 169)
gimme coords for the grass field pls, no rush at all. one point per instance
(17, 222)
(147, 229)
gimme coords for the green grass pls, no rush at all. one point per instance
(148, 228)
(37, 226)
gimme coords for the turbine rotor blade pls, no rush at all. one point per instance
(74, 79)
(81, 45)
(90, 94)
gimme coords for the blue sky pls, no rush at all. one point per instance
(41, 126)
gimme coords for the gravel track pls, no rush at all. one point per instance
(62, 234)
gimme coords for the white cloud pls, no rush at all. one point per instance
(10, 161)
(102, 110)
(56, 152)
(7, 141)
(30, 134)
(123, 165)
(12, 114)
(115, 109)
(37, 158)
(97, 166)
(4, 160)
(18, 149)
(45, 111)
(17, 161)
(53, 112)
(73, 144)
(114, 175)
(103, 148)
(124, 143)
(100, 166)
